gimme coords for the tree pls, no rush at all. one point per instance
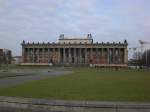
(136, 61)
(146, 58)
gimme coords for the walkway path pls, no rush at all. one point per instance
(21, 77)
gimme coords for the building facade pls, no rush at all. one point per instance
(5, 56)
(75, 51)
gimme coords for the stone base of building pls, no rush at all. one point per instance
(110, 65)
(34, 64)
(79, 64)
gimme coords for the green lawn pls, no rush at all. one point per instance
(88, 84)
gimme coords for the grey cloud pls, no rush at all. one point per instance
(44, 20)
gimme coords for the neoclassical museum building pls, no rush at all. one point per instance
(75, 51)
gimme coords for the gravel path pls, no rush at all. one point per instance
(25, 77)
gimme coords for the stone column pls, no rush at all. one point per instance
(75, 56)
(23, 54)
(116, 55)
(102, 56)
(64, 56)
(33, 54)
(53, 55)
(28, 55)
(108, 56)
(59, 56)
(113, 56)
(119, 57)
(83, 58)
(48, 55)
(43, 55)
(80, 55)
(97, 56)
(25, 60)
(125, 56)
(38, 54)
(91, 55)
(85, 55)
(70, 60)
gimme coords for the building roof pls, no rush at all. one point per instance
(75, 41)
(62, 37)
(74, 38)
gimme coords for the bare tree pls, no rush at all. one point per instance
(146, 58)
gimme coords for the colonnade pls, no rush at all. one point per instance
(63, 55)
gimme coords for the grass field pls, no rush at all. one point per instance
(88, 84)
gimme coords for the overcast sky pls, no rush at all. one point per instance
(45, 20)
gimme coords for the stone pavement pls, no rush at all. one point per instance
(25, 76)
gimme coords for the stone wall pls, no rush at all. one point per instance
(12, 104)
(77, 41)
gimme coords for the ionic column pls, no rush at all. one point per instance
(23, 54)
(97, 55)
(53, 55)
(85, 55)
(113, 55)
(102, 55)
(117, 55)
(77, 51)
(37, 53)
(59, 55)
(91, 55)
(80, 55)
(33, 54)
(125, 56)
(108, 56)
(75, 56)
(48, 55)
(28, 55)
(43, 57)
(69, 55)
(64, 56)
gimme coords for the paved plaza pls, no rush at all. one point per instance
(20, 76)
